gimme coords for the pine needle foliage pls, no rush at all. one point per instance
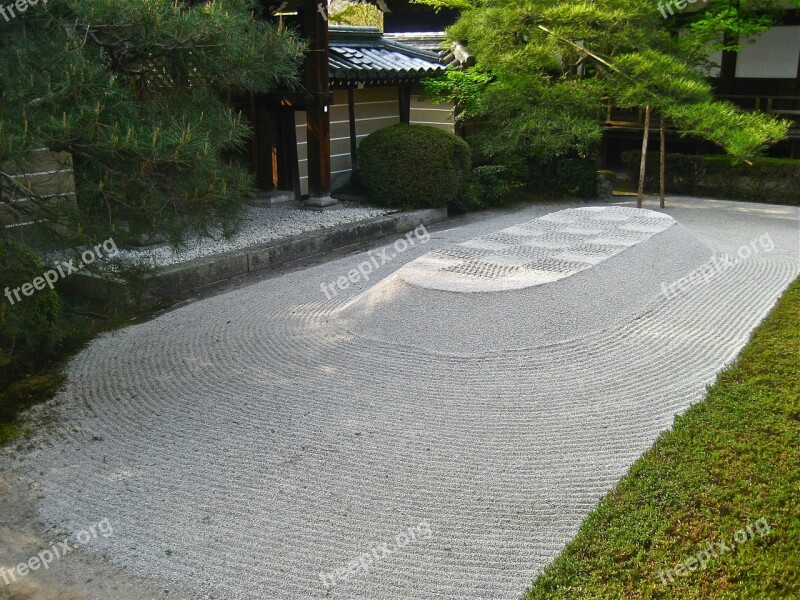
(546, 71)
(140, 93)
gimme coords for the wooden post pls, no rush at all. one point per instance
(727, 75)
(643, 165)
(662, 159)
(263, 142)
(284, 151)
(404, 100)
(315, 29)
(254, 162)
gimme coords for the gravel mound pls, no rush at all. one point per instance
(589, 299)
(271, 444)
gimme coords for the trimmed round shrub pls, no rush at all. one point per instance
(413, 166)
(29, 327)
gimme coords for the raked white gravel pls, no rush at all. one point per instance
(259, 225)
(246, 445)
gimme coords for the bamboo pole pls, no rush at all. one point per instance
(662, 159)
(643, 165)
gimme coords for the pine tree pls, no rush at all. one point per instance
(552, 67)
(139, 92)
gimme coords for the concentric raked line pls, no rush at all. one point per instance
(262, 444)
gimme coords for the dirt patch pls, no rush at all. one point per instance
(76, 576)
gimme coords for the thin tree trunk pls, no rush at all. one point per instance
(663, 163)
(643, 165)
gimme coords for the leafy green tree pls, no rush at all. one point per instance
(139, 92)
(343, 12)
(549, 69)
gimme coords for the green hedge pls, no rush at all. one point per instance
(490, 186)
(413, 166)
(577, 177)
(494, 184)
(564, 176)
(30, 328)
(771, 180)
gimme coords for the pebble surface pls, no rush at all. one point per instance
(248, 445)
(259, 226)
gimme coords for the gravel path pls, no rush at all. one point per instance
(441, 445)
(259, 226)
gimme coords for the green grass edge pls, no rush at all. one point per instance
(726, 463)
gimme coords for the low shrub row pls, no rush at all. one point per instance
(490, 186)
(565, 176)
(576, 177)
(771, 180)
(30, 327)
(39, 329)
(417, 166)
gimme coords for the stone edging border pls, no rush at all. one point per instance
(174, 280)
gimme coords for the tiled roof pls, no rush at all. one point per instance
(432, 41)
(364, 55)
(451, 54)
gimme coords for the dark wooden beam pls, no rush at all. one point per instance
(285, 165)
(294, 100)
(263, 143)
(727, 74)
(315, 29)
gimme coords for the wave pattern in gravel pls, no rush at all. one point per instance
(243, 445)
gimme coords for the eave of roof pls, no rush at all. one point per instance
(362, 55)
